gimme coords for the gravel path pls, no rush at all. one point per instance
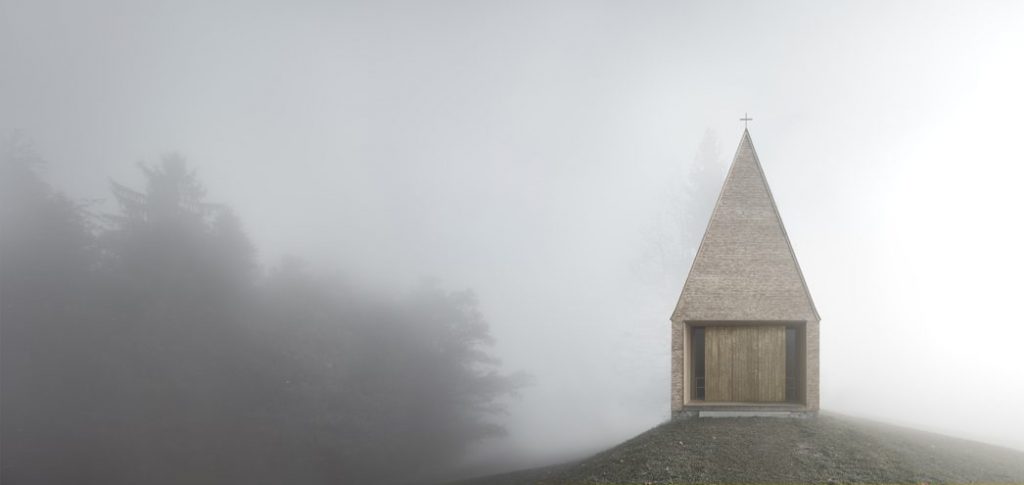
(826, 449)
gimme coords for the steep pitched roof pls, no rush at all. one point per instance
(745, 268)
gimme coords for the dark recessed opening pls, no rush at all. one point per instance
(698, 363)
(791, 365)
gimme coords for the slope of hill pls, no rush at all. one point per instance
(826, 449)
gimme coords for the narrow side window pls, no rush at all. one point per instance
(698, 363)
(791, 364)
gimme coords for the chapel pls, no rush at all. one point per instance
(745, 330)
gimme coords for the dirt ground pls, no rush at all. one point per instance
(826, 449)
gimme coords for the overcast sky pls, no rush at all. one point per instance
(529, 150)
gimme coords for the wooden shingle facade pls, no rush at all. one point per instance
(745, 330)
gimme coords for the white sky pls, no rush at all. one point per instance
(527, 150)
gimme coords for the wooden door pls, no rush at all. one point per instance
(745, 364)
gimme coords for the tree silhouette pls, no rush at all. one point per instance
(46, 253)
(148, 348)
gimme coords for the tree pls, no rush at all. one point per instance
(687, 207)
(168, 238)
(46, 256)
(153, 352)
(701, 187)
(393, 387)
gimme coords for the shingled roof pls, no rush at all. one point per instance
(745, 268)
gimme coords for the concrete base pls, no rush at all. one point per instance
(756, 414)
(743, 413)
(685, 414)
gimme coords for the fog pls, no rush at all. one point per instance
(559, 160)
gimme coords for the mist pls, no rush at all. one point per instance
(538, 172)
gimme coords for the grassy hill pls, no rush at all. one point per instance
(826, 449)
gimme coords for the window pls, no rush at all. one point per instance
(698, 363)
(792, 364)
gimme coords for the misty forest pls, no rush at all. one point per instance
(147, 346)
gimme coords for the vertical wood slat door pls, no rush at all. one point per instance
(745, 364)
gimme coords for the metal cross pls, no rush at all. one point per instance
(745, 119)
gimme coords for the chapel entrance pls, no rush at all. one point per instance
(744, 363)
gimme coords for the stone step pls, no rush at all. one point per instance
(754, 414)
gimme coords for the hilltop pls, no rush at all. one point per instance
(825, 449)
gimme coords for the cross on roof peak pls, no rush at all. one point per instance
(745, 119)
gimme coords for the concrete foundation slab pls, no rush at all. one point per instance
(755, 414)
